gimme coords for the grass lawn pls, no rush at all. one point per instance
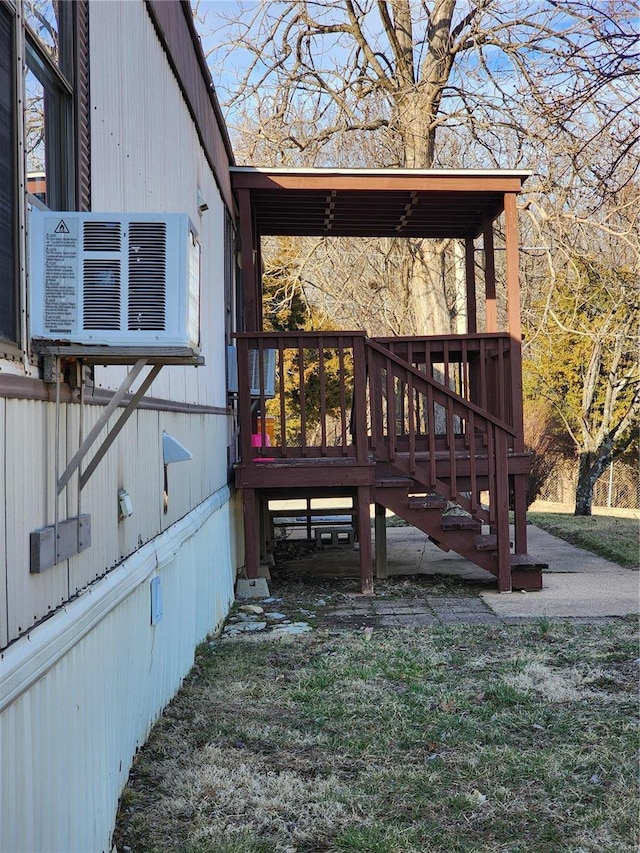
(612, 537)
(470, 740)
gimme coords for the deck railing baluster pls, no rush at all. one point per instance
(464, 371)
(360, 399)
(412, 425)
(323, 398)
(446, 379)
(343, 397)
(432, 436)
(471, 443)
(303, 411)
(451, 444)
(263, 407)
(491, 473)
(391, 411)
(501, 382)
(282, 393)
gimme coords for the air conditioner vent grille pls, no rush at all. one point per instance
(147, 277)
(102, 236)
(114, 279)
(101, 303)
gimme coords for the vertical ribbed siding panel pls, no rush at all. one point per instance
(69, 443)
(82, 105)
(133, 462)
(99, 500)
(179, 473)
(81, 723)
(4, 627)
(29, 473)
(140, 461)
(150, 159)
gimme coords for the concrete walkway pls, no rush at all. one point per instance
(578, 585)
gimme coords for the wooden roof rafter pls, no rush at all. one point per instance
(375, 202)
(408, 210)
(330, 210)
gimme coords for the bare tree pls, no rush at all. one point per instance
(582, 355)
(404, 69)
(469, 83)
(463, 83)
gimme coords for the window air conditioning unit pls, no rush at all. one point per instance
(268, 388)
(125, 279)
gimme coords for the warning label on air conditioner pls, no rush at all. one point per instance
(61, 275)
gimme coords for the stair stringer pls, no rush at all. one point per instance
(422, 476)
(463, 542)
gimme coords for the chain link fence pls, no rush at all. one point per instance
(618, 487)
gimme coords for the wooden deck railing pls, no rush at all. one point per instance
(319, 405)
(425, 427)
(446, 443)
(477, 367)
(436, 409)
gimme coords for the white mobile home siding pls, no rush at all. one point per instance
(80, 692)
(80, 689)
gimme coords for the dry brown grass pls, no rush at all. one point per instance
(468, 739)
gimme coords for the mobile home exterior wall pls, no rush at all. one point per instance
(83, 671)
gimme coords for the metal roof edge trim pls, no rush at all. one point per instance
(485, 173)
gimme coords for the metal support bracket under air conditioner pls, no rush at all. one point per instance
(67, 537)
(139, 357)
(113, 404)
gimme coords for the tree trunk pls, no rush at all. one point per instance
(590, 467)
(425, 286)
(428, 295)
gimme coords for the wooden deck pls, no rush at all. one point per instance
(419, 426)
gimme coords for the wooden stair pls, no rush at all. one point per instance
(450, 527)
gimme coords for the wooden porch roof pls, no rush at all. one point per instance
(375, 202)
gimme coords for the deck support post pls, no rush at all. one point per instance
(251, 533)
(515, 357)
(265, 528)
(491, 308)
(470, 274)
(502, 512)
(364, 538)
(520, 512)
(249, 268)
(382, 570)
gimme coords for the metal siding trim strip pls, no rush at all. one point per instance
(30, 388)
(32, 656)
(83, 106)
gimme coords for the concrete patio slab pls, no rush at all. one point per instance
(577, 585)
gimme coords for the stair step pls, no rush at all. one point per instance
(526, 572)
(459, 522)
(428, 502)
(390, 482)
(442, 545)
(526, 561)
(487, 543)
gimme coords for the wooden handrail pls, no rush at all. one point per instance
(363, 373)
(385, 353)
(497, 434)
